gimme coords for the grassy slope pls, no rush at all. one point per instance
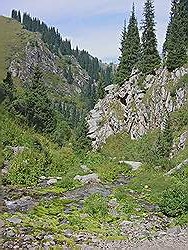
(41, 157)
(12, 39)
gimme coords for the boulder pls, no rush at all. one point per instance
(5, 169)
(133, 164)
(1, 224)
(51, 181)
(14, 220)
(86, 179)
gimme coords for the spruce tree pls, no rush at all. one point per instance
(130, 49)
(34, 106)
(150, 59)
(14, 14)
(19, 16)
(176, 43)
(101, 87)
(40, 112)
(172, 15)
(164, 141)
(8, 87)
(82, 142)
(119, 77)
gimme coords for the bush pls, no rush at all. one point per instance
(96, 205)
(27, 167)
(174, 200)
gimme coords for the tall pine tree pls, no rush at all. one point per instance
(150, 59)
(19, 16)
(8, 87)
(130, 49)
(35, 106)
(14, 14)
(101, 87)
(119, 77)
(176, 43)
(172, 14)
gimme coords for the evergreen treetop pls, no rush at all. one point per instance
(150, 59)
(176, 43)
(130, 49)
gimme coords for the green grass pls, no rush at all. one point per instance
(13, 39)
(41, 157)
(107, 168)
(122, 147)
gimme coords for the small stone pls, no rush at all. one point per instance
(85, 168)
(113, 203)
(84, 216)
(68, 210)
(42, 178)
(64, 221)
(14, 220)
(134, 217)
(46, 244)
(133, 164)
(138, 209)
(10, 234)
(86, 179)
(17, 150)
(48, 237)
(51, 181)
(28, 238)
(59, 178)
(52, 243)
(68, 233)
(16, 247)
(126, 223)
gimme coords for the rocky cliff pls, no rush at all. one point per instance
(139, 105)
(35, 53)
(21, 51)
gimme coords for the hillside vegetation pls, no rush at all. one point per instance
(57, 191)
(13, 38)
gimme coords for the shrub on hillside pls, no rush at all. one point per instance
(96, 205)
(174, 200)
(27, 167)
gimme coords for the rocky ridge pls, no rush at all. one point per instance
(138, 106)
(36, 53)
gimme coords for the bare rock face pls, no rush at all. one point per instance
(137, 106)
(179, 144)
(36, 54)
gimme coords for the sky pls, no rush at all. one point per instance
(93, 25)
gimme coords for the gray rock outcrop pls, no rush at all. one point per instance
(178, 168)
(137, 106)
(36, 54)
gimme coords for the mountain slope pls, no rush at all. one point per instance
(25, 50)
(12, 38)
